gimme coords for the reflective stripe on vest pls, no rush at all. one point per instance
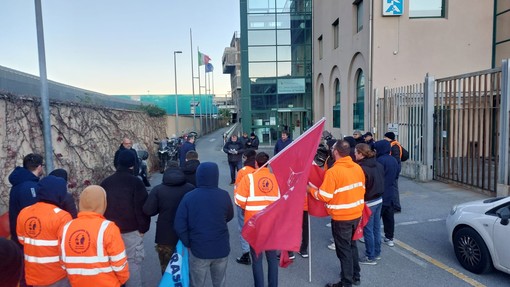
(38, 242)
(345, 206)
(94, 271)
(37, 259)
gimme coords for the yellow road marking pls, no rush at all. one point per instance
(433, 261)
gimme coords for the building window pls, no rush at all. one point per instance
(336, 107)
(336, 34)
(359, 105)
(321, 48)
(426, 8)
(359, 15)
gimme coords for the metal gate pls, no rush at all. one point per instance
(466, 128)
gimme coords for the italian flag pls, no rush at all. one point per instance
(203, 59)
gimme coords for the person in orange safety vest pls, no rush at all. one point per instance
(91, 247)
(343, 191)
(255, 192)
(37, 228)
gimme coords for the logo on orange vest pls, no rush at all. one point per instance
(33, 226)
(265, 185)
(79, 241)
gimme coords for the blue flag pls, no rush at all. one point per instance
(209, 68)
(177, 270)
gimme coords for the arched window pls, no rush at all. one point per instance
(359, 105)
(336, 107)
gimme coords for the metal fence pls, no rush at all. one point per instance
(456, 129)
(466, 126)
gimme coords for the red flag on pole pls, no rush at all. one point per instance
(278, 226)
(315, 207)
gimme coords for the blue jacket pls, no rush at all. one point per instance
(391, 170)
(23, 194)
(280, 145)
(202, 216)
(187, 146)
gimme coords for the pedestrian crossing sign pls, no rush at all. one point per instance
(393, 7)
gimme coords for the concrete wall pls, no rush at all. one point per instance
(84, 139)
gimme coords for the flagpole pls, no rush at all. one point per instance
(309, 250)
(192, 78)
(200, 94)
(205, 73)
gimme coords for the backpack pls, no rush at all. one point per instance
(404, 155)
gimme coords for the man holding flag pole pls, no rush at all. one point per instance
(277, 226)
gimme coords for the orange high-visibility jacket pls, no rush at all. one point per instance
(37, 227)
(343, 190)
(256, 191)
(240, 174)
(92, 252)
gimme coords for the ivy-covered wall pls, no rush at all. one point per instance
(84, 139)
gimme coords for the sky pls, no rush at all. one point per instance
(120, 46)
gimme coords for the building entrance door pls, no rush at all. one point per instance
(292, 122)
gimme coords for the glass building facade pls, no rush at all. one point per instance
(276, 65)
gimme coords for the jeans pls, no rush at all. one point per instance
(198, 271)
(245, 247)
(388, 219)
(372, 231)
(346, 250)
(304, 233)
(258, 270)
(135, 253)
(234, 166)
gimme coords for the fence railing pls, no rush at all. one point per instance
(456, 128)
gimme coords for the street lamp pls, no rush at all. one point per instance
(176, 101)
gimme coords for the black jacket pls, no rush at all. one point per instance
(253, 143)
(189, 169)
(391, 170)
(164, 200)
(238, 147)
(125, 197)
(374, 178)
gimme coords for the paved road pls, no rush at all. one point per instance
(422, 255)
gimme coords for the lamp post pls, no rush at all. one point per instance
(176, 101)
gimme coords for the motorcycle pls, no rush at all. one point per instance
(167, 151)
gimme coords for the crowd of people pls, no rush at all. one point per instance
(102, 244)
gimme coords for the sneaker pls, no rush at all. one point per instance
(356, 281)
(328, 225)
(244, 259)
(367, 261)
(378, 258)
(389, 242)
(303, 254)
(362, 240)
(332, 246)
(291, 255)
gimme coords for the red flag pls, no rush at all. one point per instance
(315, 207)
(278, 226)
(365, 217)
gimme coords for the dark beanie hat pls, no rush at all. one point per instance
(59, 172)
(126, 158)
(252, 134)
(51, 189)
(390, 135)
(11, 263)
(369, 134)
